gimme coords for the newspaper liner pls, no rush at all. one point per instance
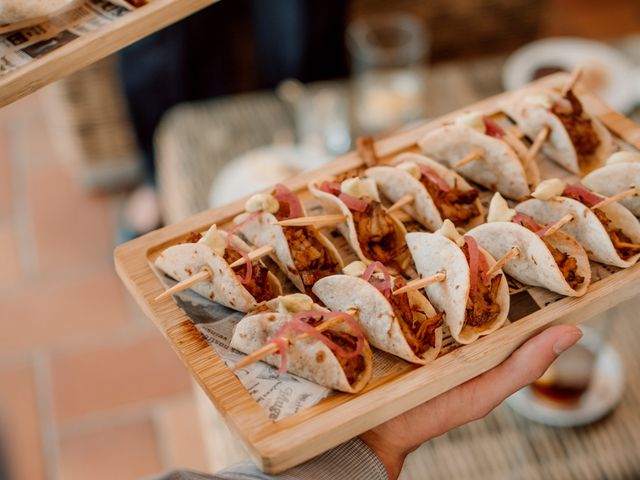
(21, 47)
(283, 395)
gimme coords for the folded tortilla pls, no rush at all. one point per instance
(586, 228)
(186, 259)
(396, 183)
(535, 265)
(308, 357)
(333, 205)
(376, 315)
(499, 168)
(613, 179)
(263, 230)
(434, 253)
(532, 118)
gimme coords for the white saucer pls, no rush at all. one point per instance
(605, 392)
(620, 78)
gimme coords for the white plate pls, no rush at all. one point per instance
(260, 168)
(605, 391)
(619, 78)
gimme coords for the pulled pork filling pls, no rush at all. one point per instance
(456, 205)
(623, 244)
(377, 233)
(312, 259)
(418, 329)
(567, 264)
(578, 126)
(193, 237)
(353, 367)
(482, 305)
(259, 286)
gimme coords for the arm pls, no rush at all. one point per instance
(379, 453)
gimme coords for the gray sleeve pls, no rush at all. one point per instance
(353, 460)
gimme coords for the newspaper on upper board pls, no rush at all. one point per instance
(19, 47)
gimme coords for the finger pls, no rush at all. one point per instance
(479, 396)
(527, 363)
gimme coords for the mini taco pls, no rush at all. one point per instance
(556, 261)
(373, 234)
(437, 191)
(473, 304)
(337, 357)
(241, 289)
(405, 325)
(609, 234)
(303, 253)
(577, 141)
(621, 172)
(497, 167)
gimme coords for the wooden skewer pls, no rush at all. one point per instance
(315, 220)
(403, 202)
(185, 284)
(617, 197)
(575, 77)
(627, 245)
(559, 224)
(253, 255)
(516, 131)
(419, 283)
(537, 144)
(367, 150)
(502, 261)
(476, 154)
(515, 143)
(271, 348)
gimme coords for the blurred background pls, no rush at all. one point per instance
(230, 100)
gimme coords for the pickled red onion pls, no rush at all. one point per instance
(385, 285)
(492, 128)
(249, 269)
(284, 195)
(353, 203)
(477, 264)
(526, 221)
(434, 177)
(582, 194)
(297, 324)
(248, 273)
(356, 331)
(329, 187)
(238, 226)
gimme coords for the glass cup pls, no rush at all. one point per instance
(388, 54)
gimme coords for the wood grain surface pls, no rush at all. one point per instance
(276, 446)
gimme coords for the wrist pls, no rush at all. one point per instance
(392, 458)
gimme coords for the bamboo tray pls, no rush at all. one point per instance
(93, 46)
(276, 446)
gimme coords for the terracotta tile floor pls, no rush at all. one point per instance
(88, 388)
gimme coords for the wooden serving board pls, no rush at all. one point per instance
(92, 46)
(276, 446)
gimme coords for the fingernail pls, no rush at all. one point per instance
(566, 341)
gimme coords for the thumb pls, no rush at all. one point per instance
(525, 365)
